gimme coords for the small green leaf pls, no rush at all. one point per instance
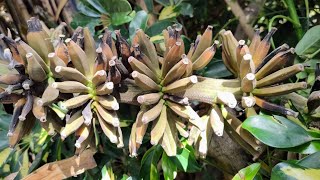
(276, 131)
(139, 21)
(309, 45)
(186, 160)
(248, 173)
(169, 168)
(149, 163)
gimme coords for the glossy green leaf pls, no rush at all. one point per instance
(23, 164)
(291, 171)
(116, 6)
(248, 173)
(120, 18)
(311, 161)
(276, 131)
(139, 21)
(307, 148)
(168, 12)
(149, 163)
(168, 166)
(186, 160)
(4, 155)
(149, 4)
(158, 27)
(84, 21)
(309, 45)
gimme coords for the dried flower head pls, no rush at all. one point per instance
(31, 72)
(161, 79)
(261, 74)
(91, 87)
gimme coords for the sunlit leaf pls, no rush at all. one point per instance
(309, 45)
(276, 131)
(168, 166)
(248, 173)
(149, 163)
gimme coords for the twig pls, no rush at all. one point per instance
(238, 12)
(252, 13)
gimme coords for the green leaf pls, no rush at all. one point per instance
(97, 5)
(5, 119)
(169, 168)
(216, 69)
(23, 164)
(158, 27)
(291, 171)
(120, 18)
(276, 131)
(35, 164)
(311, 161)
(309, 45)
(248, 173)
(186, 9)
(168, 12)
(116, 6)
(186, 160)
(149, 4)
(139, 21)
(86, 10)
(307, 148)
(81, 20)
(4, 140)
(164, 2)
(4, 155)
(149, 163)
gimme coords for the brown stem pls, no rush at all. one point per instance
(238, 12)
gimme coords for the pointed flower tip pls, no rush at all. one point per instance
(242, 42)
(110, 85)
(9, 134)
(250, 76)
(51, 55)
(193, 79)
(77, 145)
(29, 55)
(247, 57)
(22, 118)
(58, 69)
(43, 119)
